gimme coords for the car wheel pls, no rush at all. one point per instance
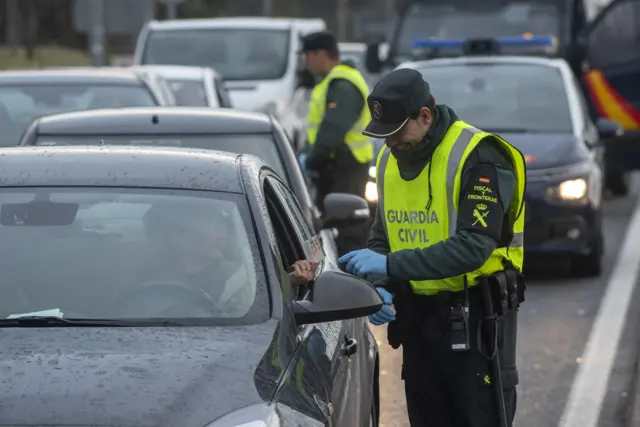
(589, 265)
(618, 183)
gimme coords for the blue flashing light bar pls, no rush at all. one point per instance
(511, 41)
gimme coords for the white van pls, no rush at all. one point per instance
(257, 57)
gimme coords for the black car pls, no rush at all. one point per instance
(28, 94)
(117, 326)
(206, 128)
(537, 105)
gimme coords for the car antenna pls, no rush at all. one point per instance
(154, 119)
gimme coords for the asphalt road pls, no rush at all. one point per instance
(555, 323)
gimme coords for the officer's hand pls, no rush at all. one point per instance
(364, 262)
(385, 314)
(302, 159)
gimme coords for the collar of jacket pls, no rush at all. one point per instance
(411, 167)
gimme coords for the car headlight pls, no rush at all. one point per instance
(372, 172)
(260, 415)
(371, 192)
(571, 189)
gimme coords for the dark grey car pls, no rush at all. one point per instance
(105, 324)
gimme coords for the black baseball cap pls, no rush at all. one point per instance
(396, 98)
(321, 40)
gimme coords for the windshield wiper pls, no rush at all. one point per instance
(53, 321)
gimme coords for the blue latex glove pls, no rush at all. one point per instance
(364, 262)
(302, 159)
(386, 314)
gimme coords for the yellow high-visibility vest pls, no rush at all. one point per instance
(361, 146)
(409, 225)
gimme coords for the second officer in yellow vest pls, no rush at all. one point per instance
(449, 227)
(338, 155)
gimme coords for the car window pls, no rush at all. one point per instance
(165, 88)
(287, 235)
(127, 254)
(261, 145)
(303, 230)
(503, 97)
(21, 104)
(293, 243)
(237, 54)
(189, 93)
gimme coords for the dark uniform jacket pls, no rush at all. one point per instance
(340, 172)
(472, 245)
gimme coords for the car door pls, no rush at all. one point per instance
(331, 345)
(612, 41)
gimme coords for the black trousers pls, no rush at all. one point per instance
(344, 176)
(445, 388)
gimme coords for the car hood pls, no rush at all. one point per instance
(140, 377)
(547, 150)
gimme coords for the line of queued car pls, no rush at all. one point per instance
(150, 216)
(162, 224)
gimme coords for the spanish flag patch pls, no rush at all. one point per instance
(484, 180)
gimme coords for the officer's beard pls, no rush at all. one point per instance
(405, 152)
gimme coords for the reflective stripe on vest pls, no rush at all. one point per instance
(445, 173)
(360, 145)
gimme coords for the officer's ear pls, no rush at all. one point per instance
(425, 115)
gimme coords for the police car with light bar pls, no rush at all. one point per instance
(536, 104)
(598, 38)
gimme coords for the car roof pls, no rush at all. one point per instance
(489, 59)
(119, 75)
(140, 121)
(177, 71)
(121, 166)
(228, 22)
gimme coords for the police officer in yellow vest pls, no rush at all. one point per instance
(446, 249)
(338, 154)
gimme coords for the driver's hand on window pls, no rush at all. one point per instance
(303, 272)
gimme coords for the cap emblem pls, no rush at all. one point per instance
(376, 109)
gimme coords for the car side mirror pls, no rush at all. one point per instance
(372, 58)
(337, 296)
(306, 79)
(609, 129)
(344, 210)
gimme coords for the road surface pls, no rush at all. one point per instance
(555, 324)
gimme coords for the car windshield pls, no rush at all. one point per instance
(110, 253)
(21, 104)
(459, 19)
(503, 97)
(261, 145)
(237, 54)
(189, 93)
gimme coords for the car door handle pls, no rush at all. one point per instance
(349, 347)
